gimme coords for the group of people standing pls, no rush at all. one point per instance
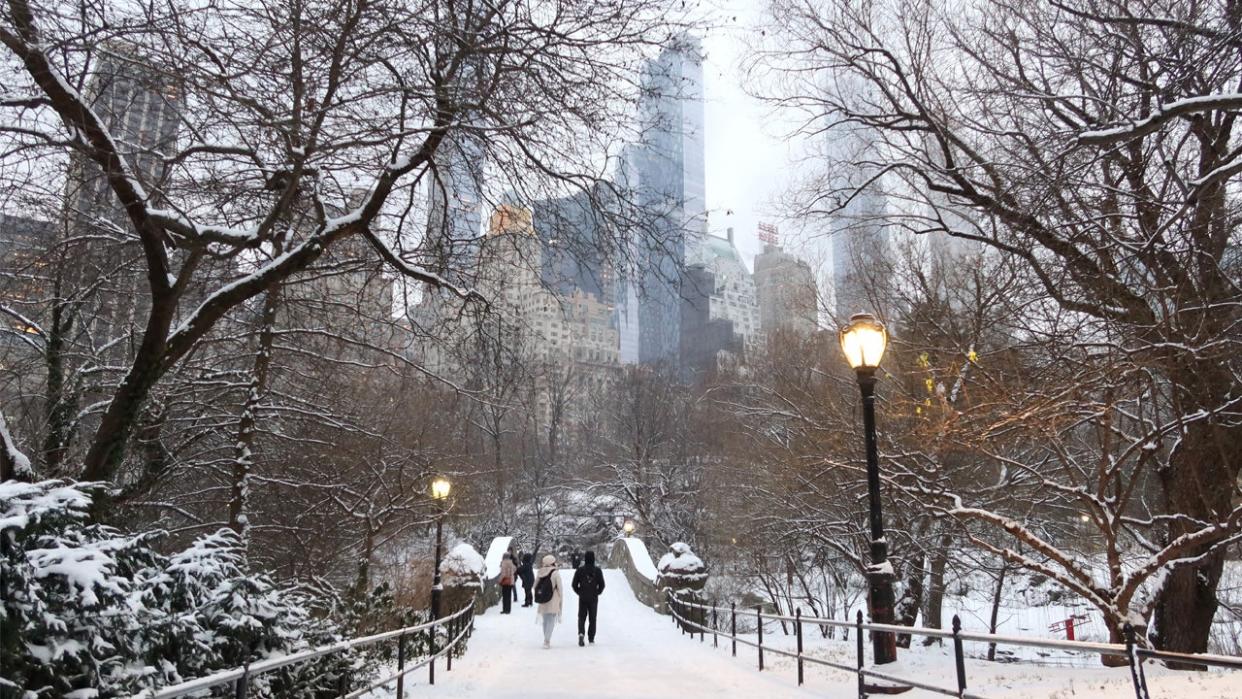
(543, 587)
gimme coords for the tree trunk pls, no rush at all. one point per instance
(362, 583)
(933, 605)
(61, 406)
(907, 608)
(243, 456)
(1206, 458)
(996, 601)
(14, 466)
(107, 451)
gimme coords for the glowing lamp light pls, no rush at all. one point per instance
(863, 342)
(628, 527)
(440, 488)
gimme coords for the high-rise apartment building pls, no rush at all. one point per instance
(25, 273)
(786, 290)
(720, 313)
(733, 294)
(667, 171)
(576, 241)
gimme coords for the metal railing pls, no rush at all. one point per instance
(459, 624)
(694, 617)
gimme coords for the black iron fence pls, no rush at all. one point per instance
(457, 627)
(703, 619)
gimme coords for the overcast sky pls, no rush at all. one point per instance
(749, 159)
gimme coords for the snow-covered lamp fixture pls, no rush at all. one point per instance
(863, 342)
(628, 527)
(440, 488)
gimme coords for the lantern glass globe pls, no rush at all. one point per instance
(440, 488)
(863, 341)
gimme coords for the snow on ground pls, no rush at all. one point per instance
(637, 653)
(999, 680)
(642, 654)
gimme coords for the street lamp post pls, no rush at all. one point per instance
(440, 488)
(863, 342)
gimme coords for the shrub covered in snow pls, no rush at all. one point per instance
(90, 611)
(680, 569)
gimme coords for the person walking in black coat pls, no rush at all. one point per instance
(526, 573)
(588, 585)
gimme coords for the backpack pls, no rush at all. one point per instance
(543, 589)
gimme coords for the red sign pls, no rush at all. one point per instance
(768, 234)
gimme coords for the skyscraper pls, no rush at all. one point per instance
(860, 254)
(455, 205)
(667, 167)
(787, 292)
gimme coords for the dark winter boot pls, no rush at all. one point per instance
(580, 641)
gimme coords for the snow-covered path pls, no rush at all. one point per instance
(637, 653)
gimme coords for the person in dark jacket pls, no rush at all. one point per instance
(526, 573)
(588, 585)
(515, 558)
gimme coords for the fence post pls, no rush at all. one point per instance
(715, 629)
(703, 625)
(733, 631)
(862, 691)
(239, 692)
(759, 619)
(448, 657)
(400, 666)
(798, 630)
(959, 656)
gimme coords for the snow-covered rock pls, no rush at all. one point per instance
(680, 569)
(463, 567)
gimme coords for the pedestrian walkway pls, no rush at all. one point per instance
(637, 653)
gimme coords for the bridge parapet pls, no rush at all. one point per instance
(630, 555)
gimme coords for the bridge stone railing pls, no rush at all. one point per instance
(630, 555)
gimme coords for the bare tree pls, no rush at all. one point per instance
(1095, 142)
(293, 107)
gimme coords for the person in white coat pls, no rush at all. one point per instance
(549, 609)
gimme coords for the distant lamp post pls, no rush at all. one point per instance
(863, 342)
(440, 488)
(628, 527)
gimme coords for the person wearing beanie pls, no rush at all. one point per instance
(526, 573)
(548, 596)
(588, 584)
